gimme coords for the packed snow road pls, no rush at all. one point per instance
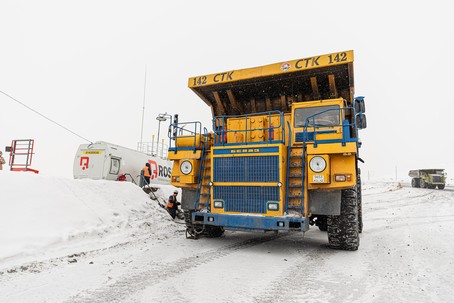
(405, 255)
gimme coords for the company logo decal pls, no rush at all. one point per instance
(285, 66)
(154, 169)
(84, 162)
(159, 170)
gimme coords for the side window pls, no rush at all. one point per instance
(114, 166)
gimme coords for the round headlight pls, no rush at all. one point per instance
(186, 167)
(317, 164)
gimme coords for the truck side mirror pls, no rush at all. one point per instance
(360, 106)
(361, 121)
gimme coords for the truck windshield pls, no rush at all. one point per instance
(330, 117)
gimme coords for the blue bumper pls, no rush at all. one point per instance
(251, 223)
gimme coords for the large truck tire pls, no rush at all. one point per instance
(322, 223)
(360, 203)
(441, 186)
(213, 231)
(422, 183)
(343, 230)
(414, 182)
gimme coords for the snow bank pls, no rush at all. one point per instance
(37, 212)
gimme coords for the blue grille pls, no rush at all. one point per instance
(246, 169)
(246, 199)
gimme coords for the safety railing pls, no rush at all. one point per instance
(221, 131)
(316, 129)
(154, 148)
(187, 136)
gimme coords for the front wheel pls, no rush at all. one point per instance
(360, 203)
(343, 230)
(441, 186)
(414, 182)
(213, 231)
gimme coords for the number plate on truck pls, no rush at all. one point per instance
(318, 178)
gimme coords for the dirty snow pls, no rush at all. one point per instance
(66, 240)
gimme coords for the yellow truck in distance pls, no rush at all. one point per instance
(283, 153)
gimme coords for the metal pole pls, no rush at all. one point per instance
(143, 108)
(162, 149)
(157, 141)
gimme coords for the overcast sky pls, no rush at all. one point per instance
(82, 64)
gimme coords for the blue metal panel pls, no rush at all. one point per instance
(246, 199)
(246, 169)
(228, 151)
(251, 223)
(309, 136)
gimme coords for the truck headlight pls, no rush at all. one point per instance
(317, 164)
(340, 178)
(273, 206)
(218, 204)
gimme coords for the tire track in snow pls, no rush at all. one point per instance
(309, 279)
(159, 272)
(298, 280)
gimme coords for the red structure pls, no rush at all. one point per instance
(21, 155)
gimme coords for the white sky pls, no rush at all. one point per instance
(82, 64)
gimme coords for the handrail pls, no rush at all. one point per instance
(314, 125)
(221, 131)
(287, 181)
(132, 179)
(179, 130)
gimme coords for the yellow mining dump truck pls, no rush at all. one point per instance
(283, 153)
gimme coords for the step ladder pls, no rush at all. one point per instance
(203, 189)
(21, 155)
(295, 179)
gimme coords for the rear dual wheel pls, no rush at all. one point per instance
(422, 183)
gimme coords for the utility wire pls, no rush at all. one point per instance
(35, 111)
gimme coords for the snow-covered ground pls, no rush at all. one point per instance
(64, 240)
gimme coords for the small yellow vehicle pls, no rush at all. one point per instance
(283, 153)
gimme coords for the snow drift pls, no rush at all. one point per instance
(40, 214)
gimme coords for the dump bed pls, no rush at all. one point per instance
(418, 173)
(276, 86)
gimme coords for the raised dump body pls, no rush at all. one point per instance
(283, 153)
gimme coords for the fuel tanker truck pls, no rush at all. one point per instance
(282, 155)
(106, 161)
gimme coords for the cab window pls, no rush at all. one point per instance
(329, 116)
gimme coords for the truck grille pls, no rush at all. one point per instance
(437, 179)
(246, 199)
(246, 169)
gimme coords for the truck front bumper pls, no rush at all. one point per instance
(251, 223)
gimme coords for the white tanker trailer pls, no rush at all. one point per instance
(102, 160)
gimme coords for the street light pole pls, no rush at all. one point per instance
(161, 118)
(157, 142)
